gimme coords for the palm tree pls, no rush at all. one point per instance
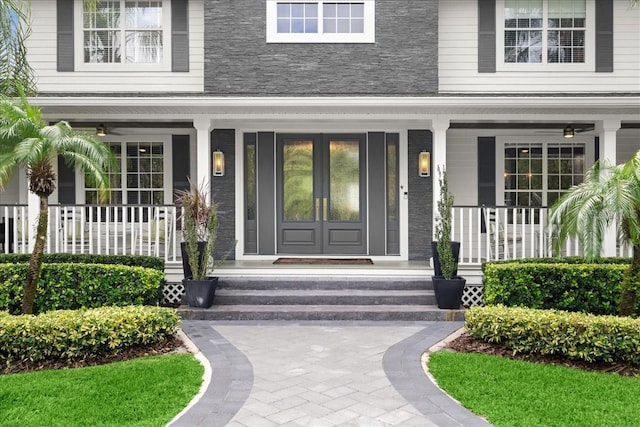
(14, 29)
(26, 141)
(608, 195)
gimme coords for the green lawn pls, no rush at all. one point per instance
(516, 393)
(148, 391)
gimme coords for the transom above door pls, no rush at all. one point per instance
(321, 194)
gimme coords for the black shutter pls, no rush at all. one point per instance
(604, 36)
(180, 35)
(180, 153)
(486, 36)
(487, 170)
(66, 183)
(64, 12)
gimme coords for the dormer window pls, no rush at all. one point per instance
(306, 21)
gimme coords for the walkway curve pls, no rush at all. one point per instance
(321, 374)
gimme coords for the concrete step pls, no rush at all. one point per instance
(326, 283)
(227, 296)
(322, 312)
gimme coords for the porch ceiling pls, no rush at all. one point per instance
(463, 109)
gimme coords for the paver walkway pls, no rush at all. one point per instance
(321, 374)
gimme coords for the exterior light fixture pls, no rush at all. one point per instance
(101, 130)
(424, 164)
(218, 163)
(568, 132)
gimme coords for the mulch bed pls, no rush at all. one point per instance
(467, 344)
(173, 345)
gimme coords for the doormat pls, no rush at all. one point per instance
(324, 261)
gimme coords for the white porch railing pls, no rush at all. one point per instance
(500, 233)
(14, 228)
(98, 229)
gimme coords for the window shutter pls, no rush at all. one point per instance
(180, 166)
(487, 170)
(64, 12)
(180, 35)
(604, 36)
(486, 36)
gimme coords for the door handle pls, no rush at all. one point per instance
(324, 209)
(317, 208)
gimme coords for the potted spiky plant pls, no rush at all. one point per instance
(447, 286)
(199, 234)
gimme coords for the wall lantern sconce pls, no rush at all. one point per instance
(218, 163)
(101, 130)
(424, 164)
(568, 132)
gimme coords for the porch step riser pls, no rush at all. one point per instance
(312, 299)
(428, 314)
(325, 284)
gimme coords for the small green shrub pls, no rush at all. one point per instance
(577, 336)
(74, 286)
(153, 262)
(82, 334)
(562, 260)
(589, 288)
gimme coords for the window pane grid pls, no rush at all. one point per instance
(107, 35)
(555, 28)
(143, 174)
(336, 17)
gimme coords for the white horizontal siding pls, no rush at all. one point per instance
(458, 58)
(41, 47)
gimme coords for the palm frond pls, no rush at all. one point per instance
(15, 72)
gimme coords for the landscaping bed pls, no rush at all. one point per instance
(467, 344)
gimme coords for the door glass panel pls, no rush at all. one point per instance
(344, 180)
(297, 176)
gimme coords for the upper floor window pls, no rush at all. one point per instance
(124, 32)
(307, 21)
(546, 32)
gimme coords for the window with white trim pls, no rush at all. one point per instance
(318, 21)
(545, 33)
(141, 179)
(117, 34)
(537, 174)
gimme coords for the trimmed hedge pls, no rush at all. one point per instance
(563, 260)
(82, 334)
(75, 286)
(590, 288)
(577, 336)
(153, 262)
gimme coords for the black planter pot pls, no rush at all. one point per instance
(200, 293)
(448, 291)
(455, 249)
(186, 268)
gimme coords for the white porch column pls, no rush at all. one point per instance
(439, 127)
(203, 126)
(607, 130)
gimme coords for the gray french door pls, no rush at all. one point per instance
(321, 194)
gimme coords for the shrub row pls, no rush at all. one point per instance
(564, 260)
(589, 288)
(577, 336)
(82, 334)
(153, 262)
(74, 286)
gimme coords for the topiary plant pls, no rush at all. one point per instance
(443, 228)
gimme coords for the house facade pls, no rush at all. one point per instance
(312, 120)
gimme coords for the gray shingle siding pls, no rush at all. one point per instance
(402, 61)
